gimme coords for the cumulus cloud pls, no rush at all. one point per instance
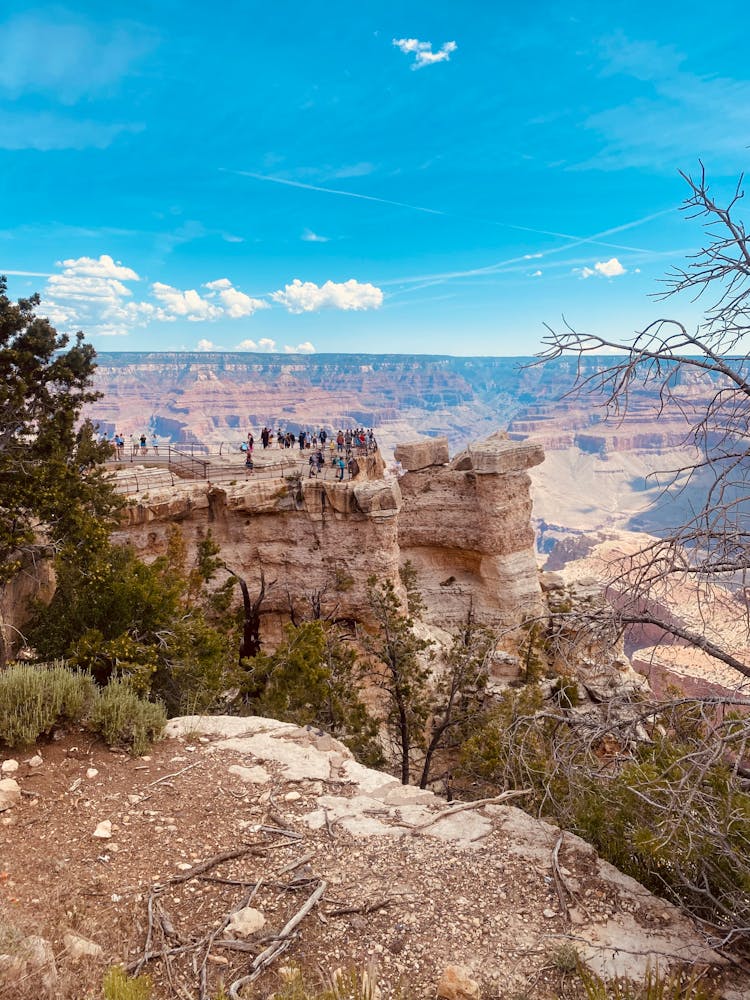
(306, 296)
(536, 274)
(263, 346)
(611, 268)
(204, 345)
(188, 303)
(422, 51)
(99, 267)
(304, 348)
(235, 303)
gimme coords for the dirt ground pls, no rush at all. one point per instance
(404, 909)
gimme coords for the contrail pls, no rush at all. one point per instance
(434, 211)
(326, 190)
(574, 241)
(26, 274)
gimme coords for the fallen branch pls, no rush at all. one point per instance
(371, 907)
(285, 939)
(175, 774)
(477, 804)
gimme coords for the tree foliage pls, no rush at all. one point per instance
(158, 623)
(659, 789)
(52, 491)
(313, 679)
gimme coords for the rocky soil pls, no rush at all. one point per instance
(192, 862)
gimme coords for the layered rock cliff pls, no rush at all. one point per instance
(465, 525)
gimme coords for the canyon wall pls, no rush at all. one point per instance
(465, 526)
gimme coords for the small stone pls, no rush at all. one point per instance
(246, 921)
(183, 866)
(76, 785)
(135, 799)
(456, 984)
(91, 772)
(103, 830)
(292, 797)
(549, 913)
(79, 947)
(9, 766)
(10, 793)
(35, 761)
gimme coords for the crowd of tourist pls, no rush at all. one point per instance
(340, 449)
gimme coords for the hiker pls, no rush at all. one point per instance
(341, 465)
(144, 445)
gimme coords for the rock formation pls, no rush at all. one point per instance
(464, 525)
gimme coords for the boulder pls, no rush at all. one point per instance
(497, 455)
(10, 793)
(456, 984)
(421, 454)
(378, 497)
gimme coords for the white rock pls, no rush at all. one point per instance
(9, 766)
(10, 793)
(78, 947)
(183, 866)
(135, 799)
(255, 775)
(35, 761)
(91, 772)
(246, 921)
(292, 797)
(103, 830)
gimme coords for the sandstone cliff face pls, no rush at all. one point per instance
(34, 581)
(307, 536)
(465, 526)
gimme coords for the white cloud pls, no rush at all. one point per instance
(611, 268)
(536, 274)
(304, 348)
(422, 51)
(219, 283)
(263, 346)
(310, 237)
(204, 345)
(301, 297)
(231, 238)
(186, 303)
(99, 267)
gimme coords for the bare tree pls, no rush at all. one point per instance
(711, 545)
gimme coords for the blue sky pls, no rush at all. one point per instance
(409, 177)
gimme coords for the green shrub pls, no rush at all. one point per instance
(121, 717)
(118, 985)
(33, 699)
